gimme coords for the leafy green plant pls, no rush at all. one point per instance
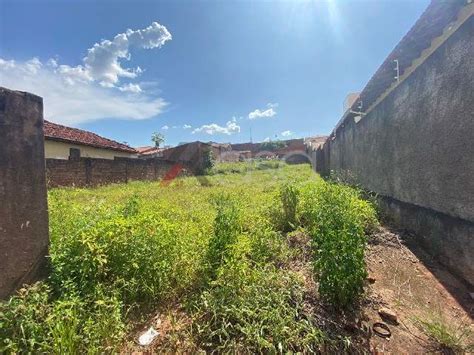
(337, 219)
(22, 320)
(208, 162)
(131, 206)
(35, 321)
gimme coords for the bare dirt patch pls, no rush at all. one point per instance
(414, 287)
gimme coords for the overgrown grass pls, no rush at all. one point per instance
(123, 250)
(451, 339)
(246, 166)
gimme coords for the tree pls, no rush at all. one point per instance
(272, 145)
(157, 138)
(208, 161)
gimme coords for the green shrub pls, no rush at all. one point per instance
(337, 219)
(208, 162)
(134, 254)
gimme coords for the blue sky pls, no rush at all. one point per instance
(200, 70)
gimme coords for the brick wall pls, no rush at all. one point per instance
(94, 172)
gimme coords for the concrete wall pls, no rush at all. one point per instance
(416, 149)
(60, 150)
(94, 172)
(23, 203)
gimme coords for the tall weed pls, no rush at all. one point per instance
(337, 219)
(251, 308)
(289, 201)
(226, 229)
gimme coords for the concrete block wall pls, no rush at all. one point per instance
(94, 172)
(23, 203)
(416, 149)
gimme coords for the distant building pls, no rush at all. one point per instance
(191, 154)
(150, 152)
(61, 142)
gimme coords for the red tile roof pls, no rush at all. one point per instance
(149, 150)
(61, 133)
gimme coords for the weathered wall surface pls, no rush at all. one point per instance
(23, 203)
(416, 147)
(94, 172)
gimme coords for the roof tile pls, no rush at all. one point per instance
(58, 132)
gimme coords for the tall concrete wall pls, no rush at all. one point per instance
(416, 149)
(23, 203)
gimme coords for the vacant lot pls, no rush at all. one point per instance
(254, 257)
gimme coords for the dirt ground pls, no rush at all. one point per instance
(414, 287)
(404, 280)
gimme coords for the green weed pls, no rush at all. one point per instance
(337, 218)
(289, 201)
(449, 338)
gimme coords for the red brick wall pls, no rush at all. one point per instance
(94, 172)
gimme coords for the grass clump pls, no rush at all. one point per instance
(289, 201)
(226, 229)
(35, 321)
(449, 339)
(253, 307)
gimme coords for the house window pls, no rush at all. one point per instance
(74, 153)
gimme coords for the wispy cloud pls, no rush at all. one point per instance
(286, 133)
(186, 126)
(263, 113)
(92, 90)
(165, 128)
(231, 127)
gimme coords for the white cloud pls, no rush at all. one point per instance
(103, 61)
(231, 127)
(286, 133)
(135, 88)
(79, 102)
(267, 139)
(165, 128)
(186, 126)
(268, 113)
(92, 90)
